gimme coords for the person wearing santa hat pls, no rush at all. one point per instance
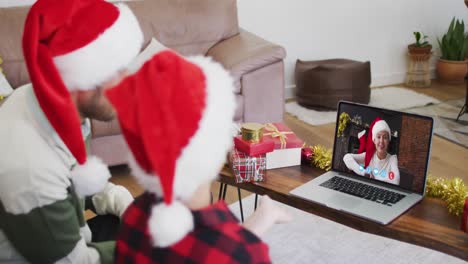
(176, 116)
(73, 50)
(373, 159)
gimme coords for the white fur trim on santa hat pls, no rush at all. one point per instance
(149, 181)
(204, 156)
(91, 177)
(362, 133)
(168, 224)
(101, 60)
(379, 126)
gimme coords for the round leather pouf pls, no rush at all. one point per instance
(322, 84)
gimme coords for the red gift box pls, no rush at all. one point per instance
(464, 223)
(254, 149)
(287, 146)
(282, 136)
(247, 168)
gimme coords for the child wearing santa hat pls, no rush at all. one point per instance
(373, 159)
(73, 50)
(176, 116)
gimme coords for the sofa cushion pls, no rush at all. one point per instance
(245, 53)
(239, 113)
(189, 27)
(147, 53)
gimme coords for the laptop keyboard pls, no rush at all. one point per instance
(362, 190)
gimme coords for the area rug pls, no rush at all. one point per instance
(445, 124)
(312, 239)
(395, 98)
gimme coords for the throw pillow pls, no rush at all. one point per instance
(153, 47)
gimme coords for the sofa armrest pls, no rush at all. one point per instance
(244, 53)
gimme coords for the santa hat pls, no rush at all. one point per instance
(366, 143)
(380, 126)
(176, 116)
(77, 45)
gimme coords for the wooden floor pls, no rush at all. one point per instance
(448, 160)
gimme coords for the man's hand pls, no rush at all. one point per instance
(114, 199)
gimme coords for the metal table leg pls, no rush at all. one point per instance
(240, 204)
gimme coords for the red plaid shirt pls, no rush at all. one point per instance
(217, 238)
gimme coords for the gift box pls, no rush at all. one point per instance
(253, 149)
(288, 146)
(247, 168)
(464, 223)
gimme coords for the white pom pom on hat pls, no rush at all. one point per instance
(176, 116)
(168, 224)
(91, 177)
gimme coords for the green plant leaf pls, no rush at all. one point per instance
(452, 45)
(466, 45)
(417, 35)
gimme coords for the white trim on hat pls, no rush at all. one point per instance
(213, 139)
(101, 60)
(362, 133)
(215, 127)
(149, 181)
(379, 126)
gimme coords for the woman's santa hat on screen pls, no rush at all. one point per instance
(176, 116)
(366, 143)
(77, 45)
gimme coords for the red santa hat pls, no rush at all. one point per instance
(77, 45)
(380, 126)
(366, 143)
(176, 116)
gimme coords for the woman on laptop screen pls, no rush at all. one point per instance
(373, 159)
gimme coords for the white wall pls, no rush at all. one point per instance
(12, 3)
(374, 30)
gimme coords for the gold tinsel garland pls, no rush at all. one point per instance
(453, 192)
(321, 157)
(343, 122)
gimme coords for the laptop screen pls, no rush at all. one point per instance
(383, 145)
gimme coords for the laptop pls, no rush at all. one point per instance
(376, 176)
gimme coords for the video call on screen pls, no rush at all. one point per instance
(407, 146)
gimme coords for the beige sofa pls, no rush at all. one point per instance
(207, 27)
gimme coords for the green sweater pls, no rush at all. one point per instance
(41, 217)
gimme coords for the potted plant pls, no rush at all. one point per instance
(452, 65)
(421, 46)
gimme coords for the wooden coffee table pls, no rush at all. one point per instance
(427, 224)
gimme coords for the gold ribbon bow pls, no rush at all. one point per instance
(274, 132)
